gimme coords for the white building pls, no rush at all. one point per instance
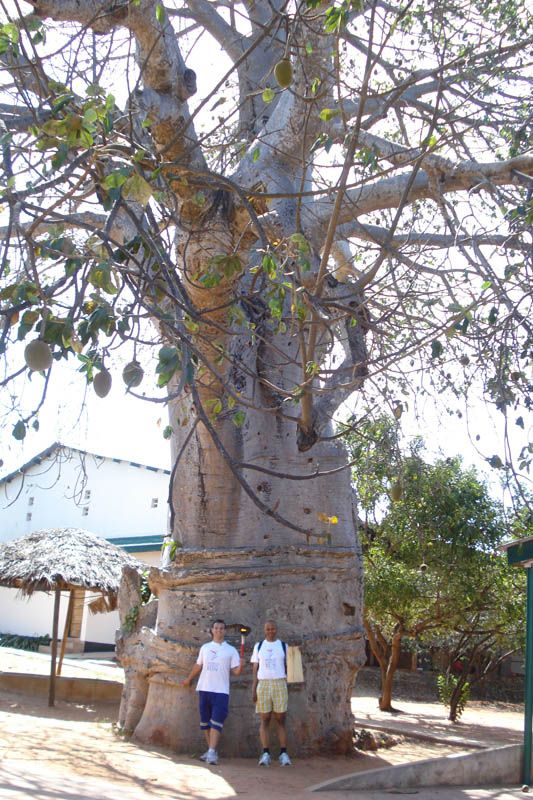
(124, 502)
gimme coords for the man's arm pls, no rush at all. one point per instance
(192, 675)
(255, 667)
(238, 670)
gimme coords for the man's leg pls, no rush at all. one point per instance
(282, 730)
(280, 699)
(204, 705)
(263, 707)
(213, 738)
(219, 712)
(264, 730)
(204, 702)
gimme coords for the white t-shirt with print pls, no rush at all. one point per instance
(271, 660)
(216, 661)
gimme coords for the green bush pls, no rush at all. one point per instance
(23, 642)
(448, 690)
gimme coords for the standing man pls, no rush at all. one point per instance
(269, 691)
(216, 660)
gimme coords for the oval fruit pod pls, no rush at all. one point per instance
(102, 383)
(283, 73)
(38, 355)
(132, 374)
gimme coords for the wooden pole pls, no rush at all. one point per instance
(68, 620)
(55, 625)
(528, 704)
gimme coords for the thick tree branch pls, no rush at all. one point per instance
(204, 13)
(167, 81)
(387, 192)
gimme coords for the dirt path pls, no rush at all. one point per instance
(72, 751)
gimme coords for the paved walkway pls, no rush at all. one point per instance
(97, 666)
(481, 725)
(68, 753)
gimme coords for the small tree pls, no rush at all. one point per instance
(429, 560)
(486, 629)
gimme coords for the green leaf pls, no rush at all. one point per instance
(89, 116)
(328, 113)
(169, 361)
(160, 13)
(256, 153)
(238, 419)
(137, 189)
(336, 17)
(301, 243)
(167, 433)
(84, 138)
(215, 405)
(116, 178)
(268, 95)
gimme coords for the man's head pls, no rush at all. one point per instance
(271, 630)
(218, 630)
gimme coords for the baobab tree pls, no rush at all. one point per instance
(343, 204)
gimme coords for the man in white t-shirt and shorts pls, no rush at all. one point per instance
(269, 691)
(216, 661)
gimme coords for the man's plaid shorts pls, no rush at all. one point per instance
(272, 695)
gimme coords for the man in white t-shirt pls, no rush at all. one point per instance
(216, 660)
(269, 691)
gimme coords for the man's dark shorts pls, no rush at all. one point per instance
(213, 710)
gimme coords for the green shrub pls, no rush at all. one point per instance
(31, 643)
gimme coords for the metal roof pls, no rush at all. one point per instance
(45, 454)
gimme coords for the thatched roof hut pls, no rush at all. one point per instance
(64, 559)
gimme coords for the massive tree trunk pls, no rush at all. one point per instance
(241, 564)
(246, 569)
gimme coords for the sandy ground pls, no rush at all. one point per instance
(39, 745)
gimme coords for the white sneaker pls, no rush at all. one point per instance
(211, 758)
(265, 760)
(284, 760)
(203, 757)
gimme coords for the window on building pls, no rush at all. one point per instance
(155, 502)
(87, 494)
(85, 511)
(28, 516)
(31, 501)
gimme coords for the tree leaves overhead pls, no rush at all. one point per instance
(351, 189)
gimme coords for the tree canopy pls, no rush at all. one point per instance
(345, 204)
(433, 573)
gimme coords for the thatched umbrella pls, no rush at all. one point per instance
(64, 559)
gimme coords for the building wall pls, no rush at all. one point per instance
(29, 616)
(102, 627)
(33, 616)
(74, 489)
(70, 488)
